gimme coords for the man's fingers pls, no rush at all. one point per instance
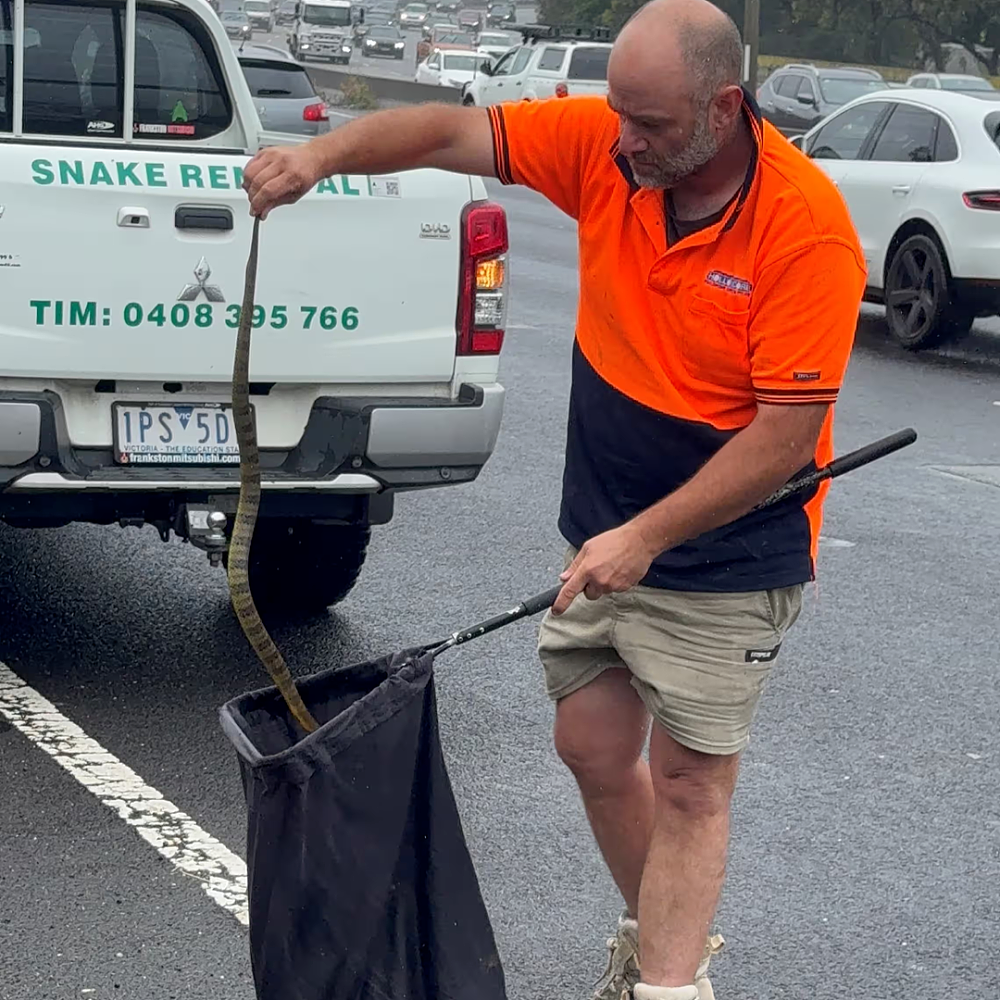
(571, 588)
(252, 171)
(572, 567)
(274, 192)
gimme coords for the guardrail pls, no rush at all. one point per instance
(386, 87)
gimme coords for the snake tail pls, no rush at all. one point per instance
(249, 505)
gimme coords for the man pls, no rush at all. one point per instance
(720, 280)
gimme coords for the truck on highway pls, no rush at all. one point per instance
(553, 61)
(324, 29)
(124, 233)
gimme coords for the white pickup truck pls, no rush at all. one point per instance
(552, 62)
(124, 233)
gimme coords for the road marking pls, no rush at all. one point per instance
(826, 541)
(160, 823)
(985, 475)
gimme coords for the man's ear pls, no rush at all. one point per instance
(726, 107)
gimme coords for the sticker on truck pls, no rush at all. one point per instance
(70, 312)
(189, 176)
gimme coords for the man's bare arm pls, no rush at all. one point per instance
(778, 442)
(430, 135)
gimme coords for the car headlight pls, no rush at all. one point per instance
(400, 45)
(345, 48)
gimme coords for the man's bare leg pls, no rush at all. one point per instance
(686, 861)
(600, 734)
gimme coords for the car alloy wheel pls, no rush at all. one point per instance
(917, 294)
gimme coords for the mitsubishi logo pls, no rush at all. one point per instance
(212, 292)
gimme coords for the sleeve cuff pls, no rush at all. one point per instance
(790, 397)
(501, 151)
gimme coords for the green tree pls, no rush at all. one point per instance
(974, 24)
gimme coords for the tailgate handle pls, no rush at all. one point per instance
(191, 217)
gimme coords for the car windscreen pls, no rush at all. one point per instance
(236, 16)
(966, 83)
(488, 39)
(337, 16)
(588, 63)
(378, 31)
(460, 62)
(841, 89)
(271, 79)
(257, 6)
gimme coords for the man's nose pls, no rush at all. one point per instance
(630, 141)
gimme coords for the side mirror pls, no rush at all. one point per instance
(807, 99)
(486, 67)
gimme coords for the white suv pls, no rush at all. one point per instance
(550, 63)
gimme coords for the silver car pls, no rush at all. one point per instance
(237, 25)
(283, 94)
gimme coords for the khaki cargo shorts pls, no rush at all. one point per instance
(698, 660)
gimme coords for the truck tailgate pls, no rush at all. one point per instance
(122, 266)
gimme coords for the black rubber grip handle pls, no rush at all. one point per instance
(541, 602)
(870, 452)
(846, 463)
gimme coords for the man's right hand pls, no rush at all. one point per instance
(280, 175)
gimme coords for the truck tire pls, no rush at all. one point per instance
(300, 567)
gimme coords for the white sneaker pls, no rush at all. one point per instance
(622, 972)
(712, 947)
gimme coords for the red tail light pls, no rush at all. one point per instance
(482, 305)
(989, 200)
(315, 113)
(562, 90)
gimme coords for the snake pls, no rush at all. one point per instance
(248, 507)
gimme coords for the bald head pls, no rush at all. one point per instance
(694, 38)
(674, 82)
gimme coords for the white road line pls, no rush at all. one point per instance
(826, 541)
(160, 823)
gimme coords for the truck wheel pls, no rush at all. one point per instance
(300, 567)
(918, 304)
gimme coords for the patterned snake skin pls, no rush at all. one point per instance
(249, 504)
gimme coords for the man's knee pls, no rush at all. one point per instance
(601, 730)
(689, 782)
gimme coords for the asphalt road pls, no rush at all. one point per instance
(866, 851)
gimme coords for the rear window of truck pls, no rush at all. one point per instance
(74, 72)
(589, 63)
(6, 66)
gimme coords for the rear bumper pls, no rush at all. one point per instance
(351, 447)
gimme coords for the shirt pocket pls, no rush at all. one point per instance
(715, 341)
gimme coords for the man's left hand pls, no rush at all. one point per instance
(607, 564)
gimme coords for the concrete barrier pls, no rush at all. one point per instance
(385, 87)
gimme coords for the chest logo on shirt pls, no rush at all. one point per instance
(729, 281)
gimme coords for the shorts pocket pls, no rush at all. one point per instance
(783, 605)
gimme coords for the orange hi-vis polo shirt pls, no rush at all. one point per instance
(677, 344)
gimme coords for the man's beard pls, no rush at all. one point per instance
(668, 172)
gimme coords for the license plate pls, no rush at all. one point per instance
(175, 434)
